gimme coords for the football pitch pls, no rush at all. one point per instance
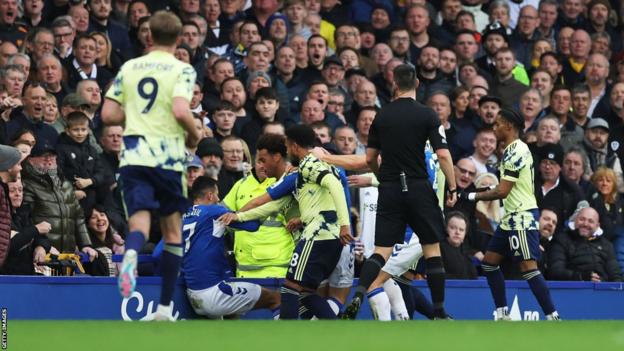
(316, 335)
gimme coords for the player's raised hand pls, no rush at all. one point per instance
(345, 235)
(228, 218)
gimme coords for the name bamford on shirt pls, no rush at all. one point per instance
(152, 65)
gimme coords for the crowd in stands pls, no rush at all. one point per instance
(264, 65)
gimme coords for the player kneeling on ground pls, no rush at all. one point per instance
(205, 267)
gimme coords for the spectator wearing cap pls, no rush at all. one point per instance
(276, 29)
(10, 159)
(560, 104)
(525, 34)
(256, 80)
(194, 170)
(596, 74)
(71, 103)
(493, 39)
(430, 79)
(30, 116)
(210, 154)
(600, 152)
(52, 199)
(333, 72)
(552, 189)
(583, 253)
(599, 15)
(505, 85)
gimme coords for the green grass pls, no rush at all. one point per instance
(317, 335)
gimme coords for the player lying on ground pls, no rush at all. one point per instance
(205, 268)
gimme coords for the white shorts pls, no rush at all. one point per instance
(224, 299)
(342, 275)
(404, 257)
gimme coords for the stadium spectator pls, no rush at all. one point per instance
(547, 228)
(457, 263)
(31, 116)
(345, 140)
(560, 105)
(599, 152)
(105, 240)
(83, 65)
(552, 190)
(52, 198)
(581, 98)
(211, 155)
(608, 203)
(236, 162)
(488, 213)
(574, 169)
(582, 252)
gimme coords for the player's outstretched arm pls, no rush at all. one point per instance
(112, 113)
(257, 202)
(499, 192)
(348, 162)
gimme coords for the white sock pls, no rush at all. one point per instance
(380, 304)
(397, 303)
(164, 310)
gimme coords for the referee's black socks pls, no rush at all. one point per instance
(368, 274)
(435, 280)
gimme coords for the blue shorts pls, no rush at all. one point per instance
(148, 188)
(520, 245)
(313, 261)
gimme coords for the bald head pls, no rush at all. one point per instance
(587, 222)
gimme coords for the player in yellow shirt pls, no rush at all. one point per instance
(517, 235)
(151, 95)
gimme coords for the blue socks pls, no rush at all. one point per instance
(135, 241)
(540, 290)
(496, 281)
(170, 266)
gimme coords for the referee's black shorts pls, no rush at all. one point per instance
(418, 208)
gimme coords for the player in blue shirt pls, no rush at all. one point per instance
(205, 267)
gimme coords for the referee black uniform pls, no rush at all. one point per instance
(399, 132)
(406, 197)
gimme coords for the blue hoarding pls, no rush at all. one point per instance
(98, 298)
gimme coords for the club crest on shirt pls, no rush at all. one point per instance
(615, 145)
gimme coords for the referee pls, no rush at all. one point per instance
(399, 133)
